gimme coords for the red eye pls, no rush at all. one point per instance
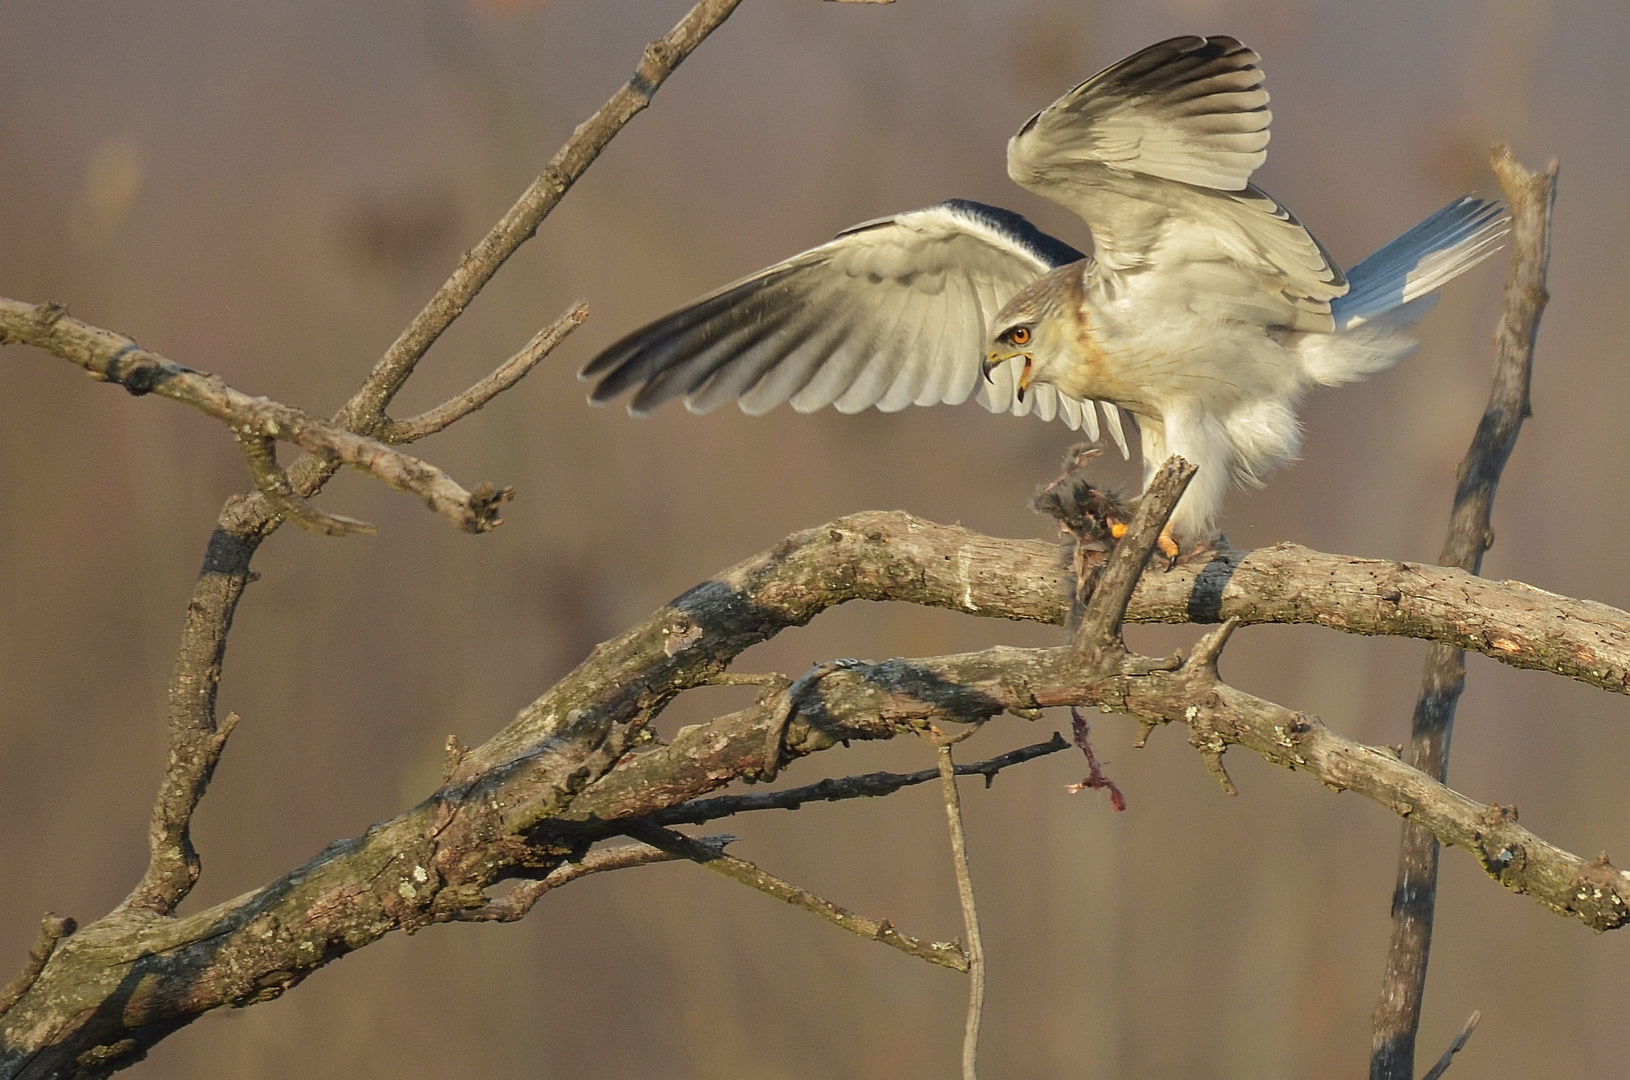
(1019, 335)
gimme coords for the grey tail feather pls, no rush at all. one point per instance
(1434, 252)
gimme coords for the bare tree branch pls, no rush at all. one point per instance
(865, 786)
(367, 409)
(515, 904)
(260, 452)
(574, 767)
(53, 928)
(740, 870)
(1099, 636)
(115, 358)
(1398, 1012)
(246, 521)
(965, 897)
(506, 375)
(1457, 1044)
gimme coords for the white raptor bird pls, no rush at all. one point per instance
(1205, 309)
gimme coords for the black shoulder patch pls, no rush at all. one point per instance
(1049, 249)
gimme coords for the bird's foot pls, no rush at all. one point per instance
(1166, 544)
(1204, 551)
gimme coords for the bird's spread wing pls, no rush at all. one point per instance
(1156, 154)
(892, 312)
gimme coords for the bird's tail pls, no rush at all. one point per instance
(1394, 287)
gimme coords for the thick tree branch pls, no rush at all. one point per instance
(574, 766)
(873, 701)
(1398, 1012)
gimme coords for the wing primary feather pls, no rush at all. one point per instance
(631, 349)
(792, 373)
(918, 349)
(737, 375)
(701, 355)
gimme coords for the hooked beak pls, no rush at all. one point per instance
(994, 360)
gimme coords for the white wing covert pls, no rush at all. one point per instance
(890, 313)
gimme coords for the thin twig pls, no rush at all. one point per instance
(506, 375)
(740, 870)
(863, 786)
(970, 910)
(112, 357)
(1398, 1012)
(53, 928)
(1455, 1046)
(521, 221)
(514, 904)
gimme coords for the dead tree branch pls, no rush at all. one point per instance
(518, 225)
(1457, 1044)
(515, 904)
(53, 928)
(576, 766)
(581, 764)
(1398, 1012)
(970, 909)
(756, 877)
(865, 786)
(114, 358)
(246, 521)
(506, 375)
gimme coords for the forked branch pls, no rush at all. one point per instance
(112, 357)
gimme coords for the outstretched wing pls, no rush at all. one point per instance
(1156, 154)
(892, 312)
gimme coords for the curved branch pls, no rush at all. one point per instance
(578, 764)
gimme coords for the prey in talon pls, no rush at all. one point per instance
(1205, 310)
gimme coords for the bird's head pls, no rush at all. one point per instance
(1035, 328)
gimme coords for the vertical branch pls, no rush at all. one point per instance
(970, 911)
(196, 739)
(1398, 1013)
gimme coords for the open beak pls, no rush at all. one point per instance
(995, 360)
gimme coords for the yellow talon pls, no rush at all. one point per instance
(1118, 529)
(1166, 544)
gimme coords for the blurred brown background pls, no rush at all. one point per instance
(269, 191)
